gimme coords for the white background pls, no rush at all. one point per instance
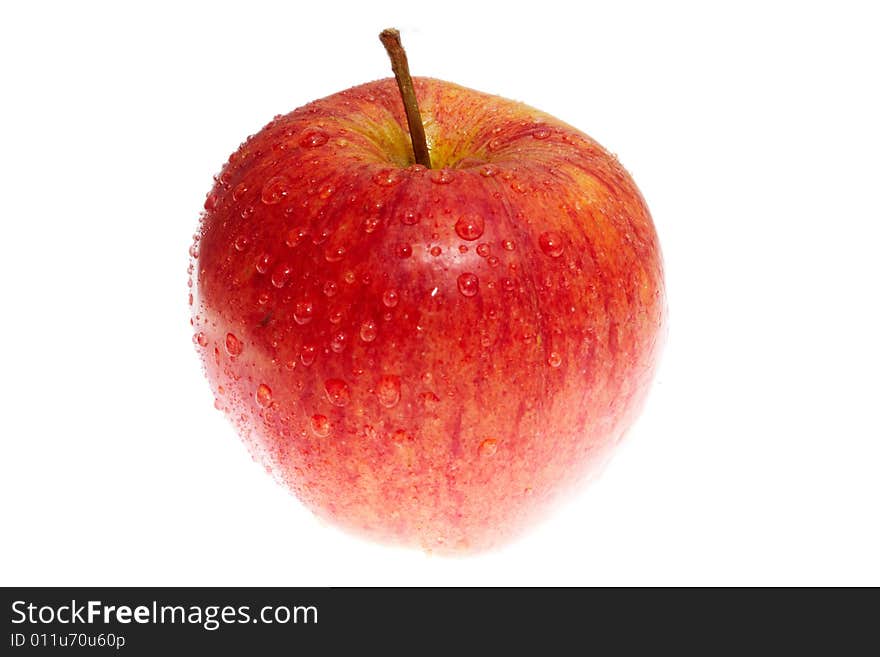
(752, 132)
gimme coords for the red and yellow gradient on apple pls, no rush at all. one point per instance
(429, 356)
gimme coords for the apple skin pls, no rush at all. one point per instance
(427, 356)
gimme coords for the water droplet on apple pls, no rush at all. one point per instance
(211, 202)
(469, 226)
(488, 170)
(551, 243)
(330, 288)
(338, 342)
(541, 133)
(239, 191)
(334, 253)
(508, 245)
(200, 339)
(371, 224)
(388, 390)
(275, 190)
(263, 263)
(233, 345)
(554, 360)
(442, 176)
(303, 311)
(468, 284)
(337, 392)
(307, 354)
(194, 251)
(321, 237)
(508, 284)
(390, 298)
(313, 137)
(295, 237)
(241, 242)
(409, 217)
(280, 275)
(264, 395)
(387, 177)
(483, 250)
(519, 187)
(488, 447)
(320, 426)
(436, 251)
(493, 261)
(494, 144)
(369, 330)
(403, 251)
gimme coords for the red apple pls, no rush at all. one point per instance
(429, 356)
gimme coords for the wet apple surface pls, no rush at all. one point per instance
(427, 355)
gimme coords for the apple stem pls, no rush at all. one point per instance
(391, 40)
